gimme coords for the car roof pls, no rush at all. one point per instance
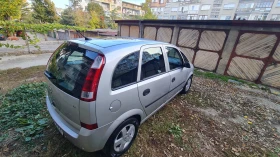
(115, 42)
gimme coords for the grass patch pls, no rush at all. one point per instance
(12, 78)
(224, 78)
(23, 110)
(211, 75)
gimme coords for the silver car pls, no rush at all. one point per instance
(101, 90)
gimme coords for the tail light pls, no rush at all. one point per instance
(89, 126)
(90, 86)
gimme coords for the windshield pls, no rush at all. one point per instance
(68, 67)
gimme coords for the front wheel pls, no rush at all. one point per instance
(187, 86)
(122, 138)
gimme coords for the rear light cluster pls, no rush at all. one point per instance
(90, 86)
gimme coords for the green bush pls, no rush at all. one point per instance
(23, 109)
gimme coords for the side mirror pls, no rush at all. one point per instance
(187, 65)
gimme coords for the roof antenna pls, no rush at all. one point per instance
(86, 38)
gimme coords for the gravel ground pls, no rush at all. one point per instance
(215, 118)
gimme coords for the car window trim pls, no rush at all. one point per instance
(127, 85)
(150, 77)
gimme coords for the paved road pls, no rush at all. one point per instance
(46, 46)
(23, 61)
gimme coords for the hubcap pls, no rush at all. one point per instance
(188, 85)
(124, 138)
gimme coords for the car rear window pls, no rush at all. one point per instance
(68, 67)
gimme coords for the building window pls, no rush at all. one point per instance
(225, 17)
(172, 17)
(126, 71)
(155, 1)
(229, 6)
(205, 7)
(191, 17)
(203, 17)
(174, 9)
(161, 1)
(275, 17)
(246, 5)
(264, 5)
(194, 7)
(278, 4)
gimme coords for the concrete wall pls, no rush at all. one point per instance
(249, 50)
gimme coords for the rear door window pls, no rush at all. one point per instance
(126, 71)
(69, 66)
(152, 62)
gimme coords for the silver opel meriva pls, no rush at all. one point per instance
(101, 90)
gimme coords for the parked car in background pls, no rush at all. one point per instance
(2, 37)
(101, 90)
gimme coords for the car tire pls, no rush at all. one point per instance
(187, 86)
(122, 138)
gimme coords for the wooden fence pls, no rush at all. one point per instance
(249, 50)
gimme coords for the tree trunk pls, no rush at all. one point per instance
(46, 37)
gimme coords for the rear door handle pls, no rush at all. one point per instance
(146, 92)
(173, 79)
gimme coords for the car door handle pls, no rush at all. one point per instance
(173, 79)
(146, 92)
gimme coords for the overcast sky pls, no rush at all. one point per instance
(62, 3)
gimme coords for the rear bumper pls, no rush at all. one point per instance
(87, 140)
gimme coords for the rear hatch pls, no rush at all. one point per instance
(66, 71)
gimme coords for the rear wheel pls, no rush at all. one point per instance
(122, 138)
(187, 86)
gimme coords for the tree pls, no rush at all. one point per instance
(112, 18)
(10, 9)
(75, 4)
(67, 17)
(81, 18)
(94, 20)
(148, 13)
(44, 11)
(25, 12)
(99, 11)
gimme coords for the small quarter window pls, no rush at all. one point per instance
(152, 62)
(126, 71)
(174, 58)
(185, 58)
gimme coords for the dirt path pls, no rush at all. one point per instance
(23, 61)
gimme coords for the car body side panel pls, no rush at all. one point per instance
(126, 96)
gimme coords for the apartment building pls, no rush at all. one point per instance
(254, 9)
(131, 9)
(217, 9)
(157, 7)
(274, 14)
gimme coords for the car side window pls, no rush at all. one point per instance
(152, 62)
(126, 71)
(174, 58)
